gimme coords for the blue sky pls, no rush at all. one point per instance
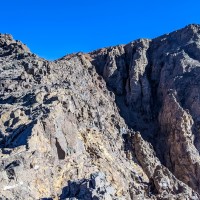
(53, 28)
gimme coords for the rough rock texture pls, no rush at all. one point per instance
(118, 123)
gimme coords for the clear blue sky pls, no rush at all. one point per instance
(53, 28)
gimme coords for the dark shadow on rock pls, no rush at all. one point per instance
(18, 136)
(10, 100)
(77, 189)
(51, 100)
(29, 99)
(10, 169)
(60, 151)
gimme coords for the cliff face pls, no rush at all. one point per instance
(118, 123)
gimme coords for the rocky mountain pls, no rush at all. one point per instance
(119, 123)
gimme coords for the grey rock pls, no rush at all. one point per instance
(94, 188)
(118, 123)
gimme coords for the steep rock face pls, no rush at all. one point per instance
(164, 181)
(117, 123)
(162, 91)
(60, 123)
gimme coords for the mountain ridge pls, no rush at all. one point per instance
(118, 123)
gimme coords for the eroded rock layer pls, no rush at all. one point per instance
(118, 123)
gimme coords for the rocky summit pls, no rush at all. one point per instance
(119, 123)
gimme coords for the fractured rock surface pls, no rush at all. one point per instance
(118, 123)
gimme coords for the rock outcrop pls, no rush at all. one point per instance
(118, 123)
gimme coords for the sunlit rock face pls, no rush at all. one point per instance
(118, 123)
